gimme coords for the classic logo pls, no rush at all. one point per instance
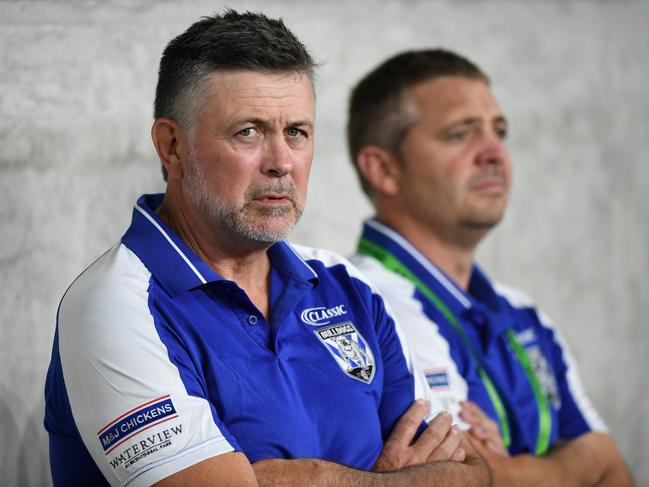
(317, 316)
(349, 349)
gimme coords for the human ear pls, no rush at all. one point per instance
(380, 169)
(169, 141)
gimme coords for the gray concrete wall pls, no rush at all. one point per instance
(76, 88)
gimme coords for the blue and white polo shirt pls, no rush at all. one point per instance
(159, 363)
(494, 320)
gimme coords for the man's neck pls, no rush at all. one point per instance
(247, 265)
(453, 254)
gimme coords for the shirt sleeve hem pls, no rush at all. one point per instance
(164, 468)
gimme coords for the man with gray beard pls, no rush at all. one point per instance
(203, 349)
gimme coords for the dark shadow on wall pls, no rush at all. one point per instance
(23, 457)
(9, 452)
(33, 459)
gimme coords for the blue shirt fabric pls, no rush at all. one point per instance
(485, 312)
(158, 363)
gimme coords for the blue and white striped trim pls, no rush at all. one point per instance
(295, 252)
(434, 271)
(172, 243)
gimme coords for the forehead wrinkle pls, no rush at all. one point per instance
(261, 96)
(450, 95)
(260, 108)
(269, 86)
(266, 101)
(289, 98)
(468, 112)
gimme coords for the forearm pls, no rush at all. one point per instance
(620, 476)
(590, 460)
(615, 472)
(320, 473)
(531, 471)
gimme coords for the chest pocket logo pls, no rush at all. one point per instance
(545, 374)
(349, 349)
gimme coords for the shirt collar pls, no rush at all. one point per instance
(176, 266)
(286, 260)
(432, 276)
(480, 293)
(480, 305)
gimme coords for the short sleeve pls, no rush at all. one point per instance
(129, 403)
(427, 349)
(403, 380)
(576, 413)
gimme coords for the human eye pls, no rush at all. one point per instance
(457, 132)
(295, 132)
(459, 135)
(247, 132)
(501, 131)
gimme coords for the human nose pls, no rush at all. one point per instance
(492, 150)
(276, 160)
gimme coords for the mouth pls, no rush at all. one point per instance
(489, 185)
(278, 196)
(274, 200)
(273, 197)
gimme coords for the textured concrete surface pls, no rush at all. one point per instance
(76, 88)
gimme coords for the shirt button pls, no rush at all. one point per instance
(252, 320)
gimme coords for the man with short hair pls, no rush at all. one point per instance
(427, 139)
(203, 349)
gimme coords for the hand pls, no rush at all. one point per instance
(500, 466)
(483, 428)
(438, 442)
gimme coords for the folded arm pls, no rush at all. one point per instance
(441, 456)
(233, 470)
(318, 473)
(588, 460)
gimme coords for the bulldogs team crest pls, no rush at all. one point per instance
(350, 350)
(545, 375)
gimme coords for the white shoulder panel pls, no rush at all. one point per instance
(128, 400)
(330, 259)
(516, 297)
(519, 299)
(431, 351)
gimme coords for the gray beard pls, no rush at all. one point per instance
(241, 221)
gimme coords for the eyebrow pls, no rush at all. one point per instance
(265, 122)
(302, 123)
(500, 119)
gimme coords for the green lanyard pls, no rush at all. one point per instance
(392, 263)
